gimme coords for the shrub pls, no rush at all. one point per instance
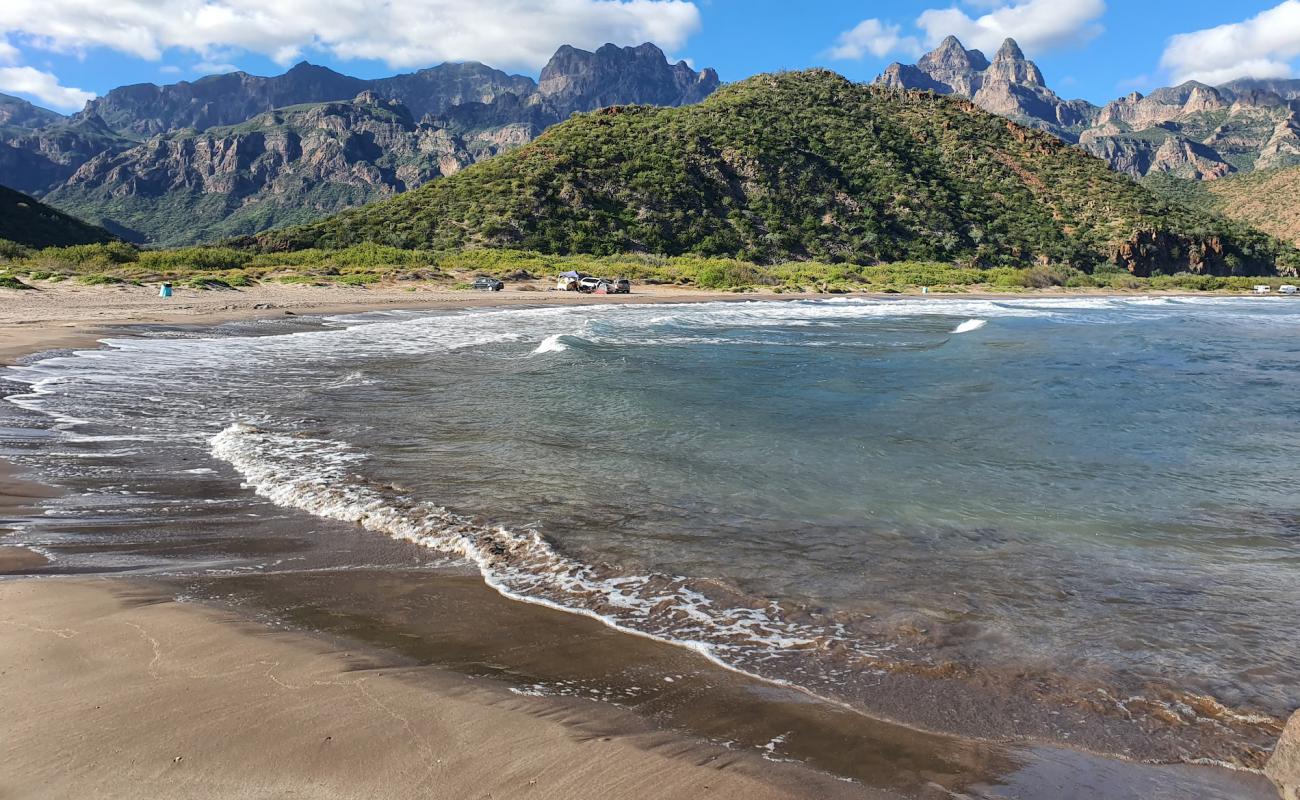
(1043, 277)
(12, 251)
(187, 258)
(10, 282)
(99, 279)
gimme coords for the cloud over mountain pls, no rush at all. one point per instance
(1038, 25)
(1260, 47)
(400, 33)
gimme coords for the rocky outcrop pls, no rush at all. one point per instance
(573, 80)
(36, 160)
(299, 162)
(1010, 85)
(18, 113)
(1148, 252)
(576, 80)
(1283, 147)
(1191, 130)
(224, 145)
(1283, 767)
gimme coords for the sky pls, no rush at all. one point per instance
(61, 53)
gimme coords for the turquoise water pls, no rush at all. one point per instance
(1077, 518)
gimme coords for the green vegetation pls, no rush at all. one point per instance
(1268, 200)
(800, 167)
(25, 222)
(368, 265)
(10, 282)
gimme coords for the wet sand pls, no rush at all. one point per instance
(112, 689)
(451, 649)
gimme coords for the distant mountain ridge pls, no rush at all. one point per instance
(236, 153)
(1192, 130)
(803, 165)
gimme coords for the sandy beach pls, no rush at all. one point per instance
(119, 690)
(116, 690)
(112, 689)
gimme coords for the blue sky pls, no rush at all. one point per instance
(58, 53)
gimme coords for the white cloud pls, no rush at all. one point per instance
(213, 68)
(8, 53)
(401, 33)
(43, 86)
(1260, 47)
(874, 37)
(1037, 25)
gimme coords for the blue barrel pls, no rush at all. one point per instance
(165, 291)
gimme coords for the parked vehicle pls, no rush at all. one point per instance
(1286, 288)
(487, 284)
(622, 286)
(568, 281)
(1263, 288)
(589, 283)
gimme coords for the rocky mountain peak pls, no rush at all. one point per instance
(1009, 51)
(952, 56)
(576, 79)
(1010, 65)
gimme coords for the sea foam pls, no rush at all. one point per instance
(318, 476)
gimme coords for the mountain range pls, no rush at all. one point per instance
(237, 153)
(1192, 130)
(797, 166)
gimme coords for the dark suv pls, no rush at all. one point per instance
(488, 284)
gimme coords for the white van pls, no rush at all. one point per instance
(1286, 288)
(1263, 288)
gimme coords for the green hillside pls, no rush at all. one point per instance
(803, 165)
(34, 224)
(1268, 200)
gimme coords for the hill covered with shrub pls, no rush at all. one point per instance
(31, 223)
(804, 166)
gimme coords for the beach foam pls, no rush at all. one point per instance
(551, 344)
(317, 476)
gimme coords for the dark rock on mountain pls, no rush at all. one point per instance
(288, 161)
(573, 80)
(18, 113)
(1192, 130)
(29, 222)
(287, 165)
(802, 165)
(37, 160)
(576, 80)
(146, 109)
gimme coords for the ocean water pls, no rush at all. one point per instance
(1074, 520)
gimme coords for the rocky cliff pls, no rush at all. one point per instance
(285, 165)
(237, 153)
(1190, 131)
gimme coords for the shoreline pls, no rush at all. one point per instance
(62, 333)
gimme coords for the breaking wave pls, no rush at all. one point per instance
(316, 475)
(970, 325)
